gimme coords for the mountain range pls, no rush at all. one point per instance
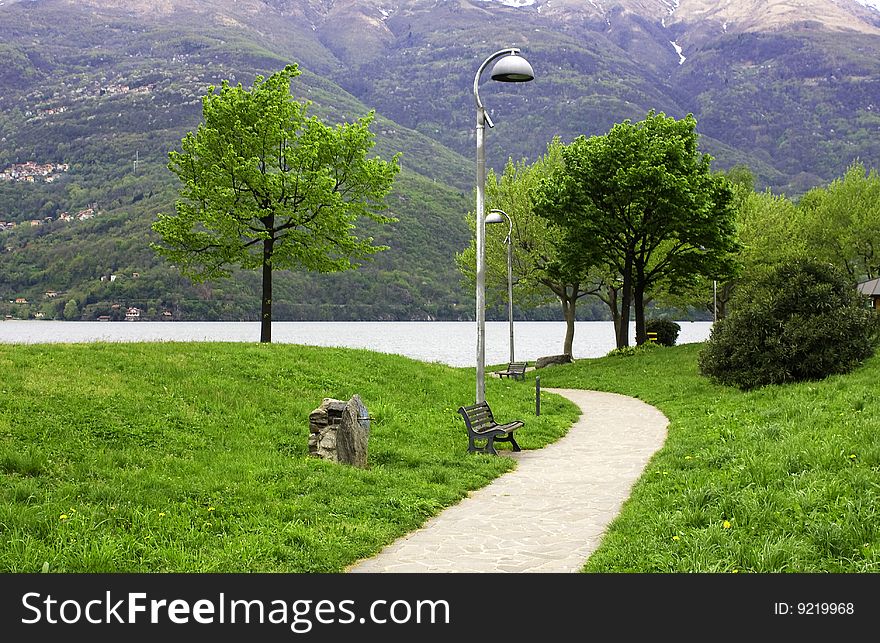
(107, 88)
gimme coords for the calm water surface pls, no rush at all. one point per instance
(452, 343)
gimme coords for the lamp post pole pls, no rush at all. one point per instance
(481, 251)
(509, 242)
(511, 68)
(510, 291)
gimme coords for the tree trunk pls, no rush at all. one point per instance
(611, 301)
(639, 305)
(266, 307)
(724, 292)
(569, 305)
(625, 303)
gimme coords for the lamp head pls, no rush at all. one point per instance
(513, 69)
(494, 217)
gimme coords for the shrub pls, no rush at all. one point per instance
(802, 321)
(666, 329)
(631, 351)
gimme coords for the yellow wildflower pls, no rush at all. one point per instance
(726, 524)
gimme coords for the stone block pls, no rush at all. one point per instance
(353, 435)
(340, 431)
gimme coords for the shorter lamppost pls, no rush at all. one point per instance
(495, 216)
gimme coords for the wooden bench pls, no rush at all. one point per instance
(481, 425)
(516, 370)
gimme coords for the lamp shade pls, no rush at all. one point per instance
(512, 69)
(494, 217)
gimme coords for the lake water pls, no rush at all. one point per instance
(452, 343)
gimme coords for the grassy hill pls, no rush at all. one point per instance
(192, 458)
(780, 479)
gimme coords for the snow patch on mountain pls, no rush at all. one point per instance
(871, 4)
(678, 50)
(671, 6)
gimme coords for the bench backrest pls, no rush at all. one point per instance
(517, 367)
(477, 416)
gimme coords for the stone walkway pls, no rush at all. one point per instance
(549, 514)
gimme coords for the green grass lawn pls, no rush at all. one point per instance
(193, 457)
(780, 479)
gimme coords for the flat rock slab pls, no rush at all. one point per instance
(550, 513)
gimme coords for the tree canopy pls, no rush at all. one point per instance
(842, 222)
(264, 186)
(642, 204)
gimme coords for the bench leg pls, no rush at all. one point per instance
(488, 448)
(509, 438)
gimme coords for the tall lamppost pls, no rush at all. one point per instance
(495, 216)
(511, 68)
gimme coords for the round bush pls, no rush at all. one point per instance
(803, 321)
(666, 329)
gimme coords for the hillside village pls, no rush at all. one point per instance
(32, 171)
(93, 91)
(80, 215)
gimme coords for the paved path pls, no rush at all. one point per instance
(549, 514)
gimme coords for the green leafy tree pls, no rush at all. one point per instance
(841, 222)
(642, 204)
(71, 310)
(769, 230)
(708, 293)
(266, 187)
(539, 276)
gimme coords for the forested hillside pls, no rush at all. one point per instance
(100, 91)
(110, 102)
